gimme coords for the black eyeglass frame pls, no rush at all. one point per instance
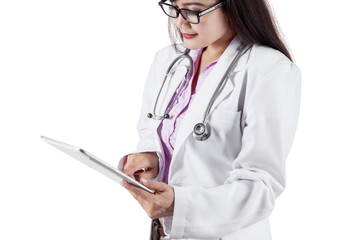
(196, 13)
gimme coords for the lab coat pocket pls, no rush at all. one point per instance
(225, 116)
(226, 132)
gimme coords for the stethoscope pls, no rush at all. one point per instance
(202, 130)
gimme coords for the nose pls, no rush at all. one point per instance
(181, 23)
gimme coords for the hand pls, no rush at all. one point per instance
(148, 161)
(160, 204)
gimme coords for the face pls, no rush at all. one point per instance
(213, 30)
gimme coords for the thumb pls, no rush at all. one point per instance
(156, 186)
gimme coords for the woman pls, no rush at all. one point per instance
(225, 185)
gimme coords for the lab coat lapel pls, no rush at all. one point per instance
(196, 110)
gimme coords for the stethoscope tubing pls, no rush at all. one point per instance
(221, 85)
(201, 130)
(182, 84)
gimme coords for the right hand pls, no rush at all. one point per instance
(147, 160)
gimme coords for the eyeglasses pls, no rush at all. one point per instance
(189, 15)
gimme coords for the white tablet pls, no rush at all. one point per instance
(94, 162)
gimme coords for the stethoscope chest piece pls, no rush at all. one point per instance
(202, 131)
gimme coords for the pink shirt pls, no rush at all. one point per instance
(168, 128)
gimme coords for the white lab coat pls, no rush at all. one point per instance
(225, 187)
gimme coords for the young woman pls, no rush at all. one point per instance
(216, 128)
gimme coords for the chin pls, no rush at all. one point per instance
(193, 45)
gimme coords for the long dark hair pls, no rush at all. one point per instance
(252, 21)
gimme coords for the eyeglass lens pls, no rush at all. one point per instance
(188, 15)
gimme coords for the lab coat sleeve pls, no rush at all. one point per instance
(148, 141)
(258, 175)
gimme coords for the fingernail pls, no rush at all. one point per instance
(143, 180)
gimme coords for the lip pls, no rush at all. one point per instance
(188, 36)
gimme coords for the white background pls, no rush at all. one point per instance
(74, 70)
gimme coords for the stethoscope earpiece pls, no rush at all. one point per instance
(202, 131)
(150, 115)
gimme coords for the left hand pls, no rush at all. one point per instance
(160, 204)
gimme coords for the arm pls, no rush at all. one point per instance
(147, 154)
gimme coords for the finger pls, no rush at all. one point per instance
(128, 161)
(137, 173)
(133, 165)
(125, 161)
(138, 161)
(139, 194)
(156, 186)
(122, 163)
(129, 173)
(131, 170)
(147, 175)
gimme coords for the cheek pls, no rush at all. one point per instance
(214, 28)
(222, 25)
(212, 31)
(199, 28)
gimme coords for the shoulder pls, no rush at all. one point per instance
(264, 62)
(263, 59)
(269, 72)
